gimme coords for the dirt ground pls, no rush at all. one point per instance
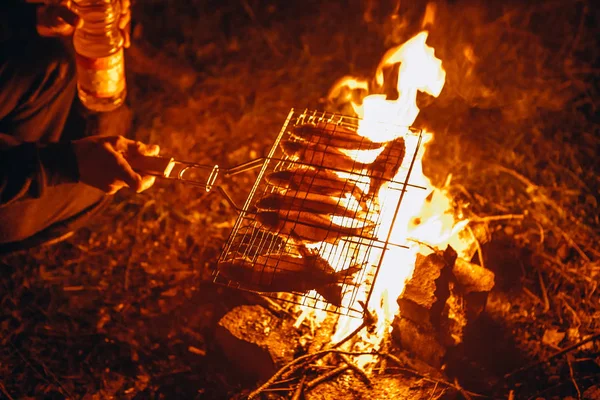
(126, 308)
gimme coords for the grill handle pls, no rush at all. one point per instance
(202, 175)
(156, 166)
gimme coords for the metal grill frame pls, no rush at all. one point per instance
(248, 235)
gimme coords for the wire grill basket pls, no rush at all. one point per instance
(354, 260)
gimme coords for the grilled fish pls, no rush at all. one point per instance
(306, 201)
(386, 165)
(320, 181)
(321, 155)
(289, 273)
(334, 135)
(309, 227)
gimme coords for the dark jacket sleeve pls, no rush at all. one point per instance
(26, 169)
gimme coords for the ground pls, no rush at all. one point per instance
(126, 308)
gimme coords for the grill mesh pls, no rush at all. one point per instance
(274, 258)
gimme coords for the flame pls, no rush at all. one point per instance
(426, 214)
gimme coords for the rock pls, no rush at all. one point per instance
(472, 277)
(444, 296)
(425, 294)
(421, 342)
(257, 342)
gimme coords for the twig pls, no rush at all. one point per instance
(296, 367)
(571, 310)
(592, 338)
(533, 296)
(433, 392)
(46, 371)
(555, 264)
(478, 246)
(573, 377)
(324, 377)
(5, 392)
(532, 188)
(544, 292)
(321, 353)
(593, 378)
(369, 319)
(299, 389)
(462, 391)
(362, 374)
(573, 244)
(498, 217)
(434, 380)
(280, 372)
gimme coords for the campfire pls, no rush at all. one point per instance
(344, 222)
(421, 225)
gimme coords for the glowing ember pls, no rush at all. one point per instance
(425, 216)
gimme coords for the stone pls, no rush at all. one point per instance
(256, 341)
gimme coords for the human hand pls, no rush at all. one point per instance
(102, 162)
(58, 18)
(55, 18)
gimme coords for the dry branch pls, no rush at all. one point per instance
(553, 356)
(5, 392)
(298, 393)
(572, 375)
(322, 378)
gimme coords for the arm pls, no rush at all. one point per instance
(27, 168)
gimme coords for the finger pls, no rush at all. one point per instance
(124, 20)
(62, 29)
(126, 37)
(140, 148)
(121, 144)
(147, 182)
(49, 23)
(127, 174)
(125, 26)
(68, 16)
(115, 187)
(152, 151)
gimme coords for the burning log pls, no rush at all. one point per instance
(444, 295)
(256, 341)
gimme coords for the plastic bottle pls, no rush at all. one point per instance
(100, 63)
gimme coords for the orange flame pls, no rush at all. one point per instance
(426, 216)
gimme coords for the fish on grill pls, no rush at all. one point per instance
(290, 273)
(321, 156)
(386, 166)
(312, 228)
(319, 181)
(333, 135)
(307, 201)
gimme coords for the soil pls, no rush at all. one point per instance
(126, 308)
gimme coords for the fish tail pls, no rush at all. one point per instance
(347, 275)
(332, 294)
